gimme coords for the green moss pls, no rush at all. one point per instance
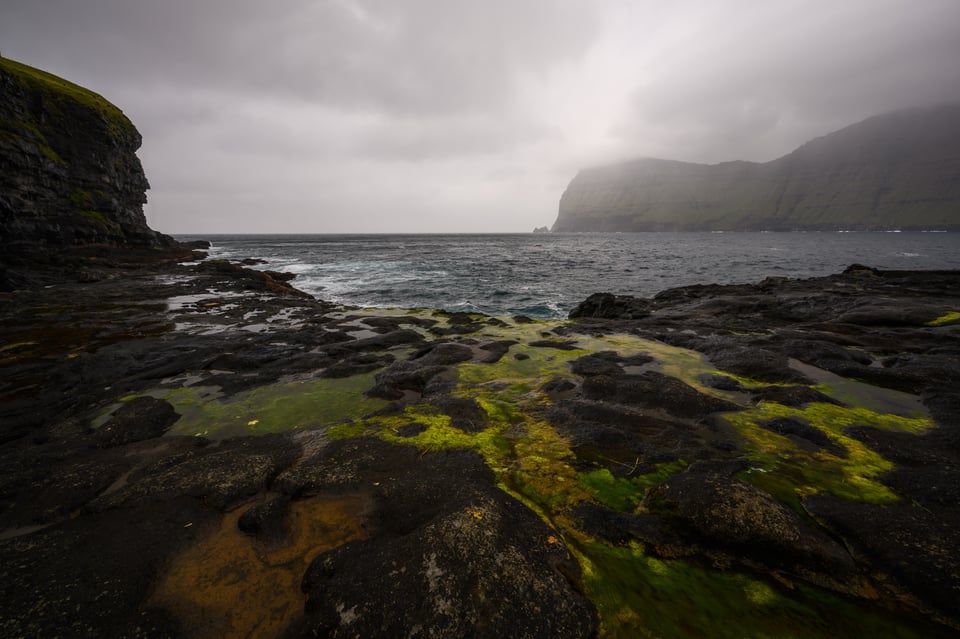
(25, 131)
(783, 463)
(625, 494)
(440, 435)
(82, 199)
(949, 318)
(356, 428)
(641, 596)
(59, 88)
(102, 221)
(274, 408)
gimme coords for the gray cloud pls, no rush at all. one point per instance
(430, 115)
(778, 73)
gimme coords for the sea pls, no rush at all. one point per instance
(544, 275)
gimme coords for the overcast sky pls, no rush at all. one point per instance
(330, 116)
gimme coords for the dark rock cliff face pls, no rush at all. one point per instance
(895, 171)
(69, 175)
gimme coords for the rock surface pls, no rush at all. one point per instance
(70, 179)
(440, 481)
(900, 170)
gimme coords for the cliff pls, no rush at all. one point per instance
(69, 174)
(895, 171)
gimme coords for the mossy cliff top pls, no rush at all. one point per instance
(69, 174)
(48, 86)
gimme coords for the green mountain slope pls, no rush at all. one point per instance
(898, 170)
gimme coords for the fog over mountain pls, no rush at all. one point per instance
(897, 171)
(376, 116)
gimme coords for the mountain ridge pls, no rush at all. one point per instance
(899, 170)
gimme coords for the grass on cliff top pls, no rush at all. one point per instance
(47, 82)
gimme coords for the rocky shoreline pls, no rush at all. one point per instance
(195, 450)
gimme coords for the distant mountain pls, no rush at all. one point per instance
(900, 170)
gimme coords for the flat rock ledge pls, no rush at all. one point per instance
(200, 449)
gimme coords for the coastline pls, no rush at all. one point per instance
(707, 426)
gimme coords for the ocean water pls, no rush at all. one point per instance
(545, 275)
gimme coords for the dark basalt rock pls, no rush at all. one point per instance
(435, 525)
(794, 396)
(223, 476)
(803, 433)
(610, 306)
(268, 281)
(909, 542)
(608, 363)
(140, 418)
(654, 390)
(620, 528)
(465, 414)
(69, 174)
(114, 559)
(358, 364)
(622, 438)
(443, 354)
(496, 350)
(265, 520)
(726, 514)
(562, 345)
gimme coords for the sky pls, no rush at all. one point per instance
(421, 116)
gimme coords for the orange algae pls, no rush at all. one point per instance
(233, 585)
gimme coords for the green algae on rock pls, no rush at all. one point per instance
(276, 408)
(949, 318)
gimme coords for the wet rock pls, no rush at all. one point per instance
(102, 589)
(265, 520)
(347, 464)
(655, 390)
(411, 430)
(803, 433)
(722, 382)
(727, 514)
(620, 528)
(451, 554)
(621, 438)
(607, 363)
(465, 414)
(417, 373)
(595, 364)
(141, 418)
(49, 485)
(496, 350)
(443, 354)
(404, 376)
(820, 352)
(563, 345)
(755, 362)
(253, 280)
(401, 337)
(460, 324)
(358, 364)
(794, 396)
(223, 476)
(911, 543)
(609, 306)
(557, 386)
